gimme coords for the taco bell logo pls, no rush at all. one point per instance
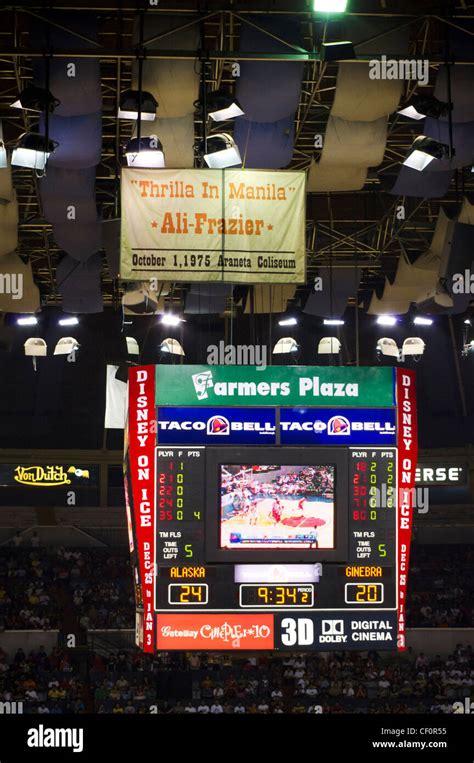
(339, 425)
(202, 382)
(218, 425)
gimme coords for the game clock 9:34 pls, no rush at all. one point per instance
(276, 596)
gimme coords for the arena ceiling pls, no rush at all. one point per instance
(343, 228)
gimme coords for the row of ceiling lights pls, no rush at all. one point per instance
(33, 150)
(170, 319)
(218, 150)
(382, 320)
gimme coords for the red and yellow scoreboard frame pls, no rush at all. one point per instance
(192, 594)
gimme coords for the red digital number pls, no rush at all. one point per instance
(165, 516)
(360, 516)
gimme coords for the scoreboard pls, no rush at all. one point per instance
(272, 527)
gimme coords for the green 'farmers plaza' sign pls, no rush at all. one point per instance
(275, 386)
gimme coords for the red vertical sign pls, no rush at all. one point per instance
(141, 417)
(407, 459)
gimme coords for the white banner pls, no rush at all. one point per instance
(115, 400)
(234, 226)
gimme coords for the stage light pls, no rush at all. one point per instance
(386, 320)
(337, 51)
(329, 345)
(32, 151)
(284, 345)
(421, 106)
(71, 321)
(333, 322)
(419, 321)
(132, 103)
(168, 319)
(36, 99)
(29, 320)
(330, 6)
(388, 347)
(423, 151)
(222, 106)
(222, 151)
(172, 346)
(35, 347)
(288, 322)
(66, 345)
(413, 347)
(146, 154)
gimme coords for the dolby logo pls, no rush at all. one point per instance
(332, 632)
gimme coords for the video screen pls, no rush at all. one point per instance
(277, 507)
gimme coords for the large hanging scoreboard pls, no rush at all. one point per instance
(270, 509)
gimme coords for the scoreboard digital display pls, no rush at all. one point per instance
(271, 546)
(337, 502)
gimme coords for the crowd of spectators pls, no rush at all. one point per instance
(130, 682)
(39, 587)
(441, 587)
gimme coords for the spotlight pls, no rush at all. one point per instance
(387, 347)
(421, 106)
(29, 320)
(66, 345)
(337, 51)
(172, 346)
(423, 151)
(329, 345)
(36, 99)
(168, 319)
(35, 347)
(222, 151)
(386, 320)
(32, 151)
(132, 102)
(419, 321)
(71, 321)
(222, 106)
(330, 6)
(414, 347)
(147, 154)
(288, 322)
(287, 344)
(333, 322)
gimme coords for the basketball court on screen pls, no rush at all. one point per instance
(277, 507)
